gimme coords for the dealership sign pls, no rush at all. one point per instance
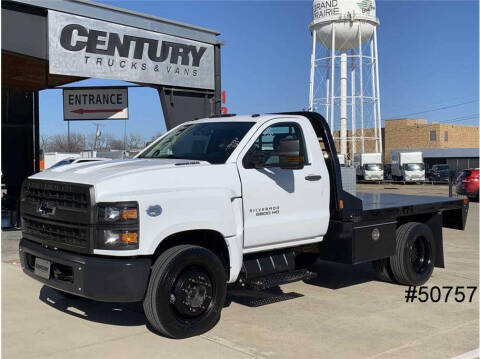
(84, 47)
(91, 103)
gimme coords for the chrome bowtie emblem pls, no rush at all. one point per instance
(154, 211)
(46, 210)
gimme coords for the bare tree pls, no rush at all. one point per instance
(79, 142)
(45, 143)
(61, 143)
(115, 143)
(157, 135)
(135, 141)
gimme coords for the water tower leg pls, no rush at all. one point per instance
(343, 102)
(327, 87)
(312, 70)
(374, 96)
(360, 64)
(354, 125)
(332, 102)
(378, 91)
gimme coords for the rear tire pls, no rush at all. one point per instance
(186, 292)
(415, 254)
(383, 271)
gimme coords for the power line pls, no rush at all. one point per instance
(451, 99)
(460, 119)
(434, 109)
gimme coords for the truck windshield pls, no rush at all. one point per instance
(211, 141)
(373, 167)
(414, 167)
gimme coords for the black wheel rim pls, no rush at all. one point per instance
(192, 293)
(420, 254)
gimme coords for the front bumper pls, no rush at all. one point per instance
(414, 179)
(99, 278)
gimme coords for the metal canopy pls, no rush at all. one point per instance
(443, 152)
(26, 70)
(25, 41)
(125, 17)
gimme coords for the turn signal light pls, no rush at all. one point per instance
(129, 213)
(129, 237)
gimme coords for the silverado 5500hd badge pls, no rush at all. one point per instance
(265, 211)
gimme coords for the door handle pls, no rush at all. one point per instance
(313, 177)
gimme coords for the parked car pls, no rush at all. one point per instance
(467, 183)
(70, 161)
(439, 173)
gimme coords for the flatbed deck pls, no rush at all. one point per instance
(376, 201)
(389, 206)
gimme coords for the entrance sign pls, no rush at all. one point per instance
(85, 47)
(95, 104)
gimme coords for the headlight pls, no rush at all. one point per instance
(120, 213)
(117, 226)
(117, 239)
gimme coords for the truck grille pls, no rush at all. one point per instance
(56, 233)
(56, 195)
(58, 214)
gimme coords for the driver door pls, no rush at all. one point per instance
(282, 205)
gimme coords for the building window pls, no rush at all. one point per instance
(433, 135)
(446, 136)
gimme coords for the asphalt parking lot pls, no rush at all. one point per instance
(343, 313)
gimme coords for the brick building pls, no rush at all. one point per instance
(440, 142)
(411, 133)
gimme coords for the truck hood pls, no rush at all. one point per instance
(95, 172)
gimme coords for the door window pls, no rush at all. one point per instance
(268, 143)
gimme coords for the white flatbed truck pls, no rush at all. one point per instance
(252, 200)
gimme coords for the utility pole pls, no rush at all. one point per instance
(98, 134)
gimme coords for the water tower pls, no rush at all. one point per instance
(344, 73)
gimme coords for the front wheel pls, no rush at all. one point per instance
(415, 254)
(186, 292)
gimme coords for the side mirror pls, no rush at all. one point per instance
(255, 159)
(289, 154)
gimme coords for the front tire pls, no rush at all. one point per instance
(186, 292)
(415, 254)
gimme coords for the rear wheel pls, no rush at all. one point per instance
(414, 257)
(186, 292)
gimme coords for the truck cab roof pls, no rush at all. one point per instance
(257, 118)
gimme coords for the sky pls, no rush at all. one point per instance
(428, 61)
